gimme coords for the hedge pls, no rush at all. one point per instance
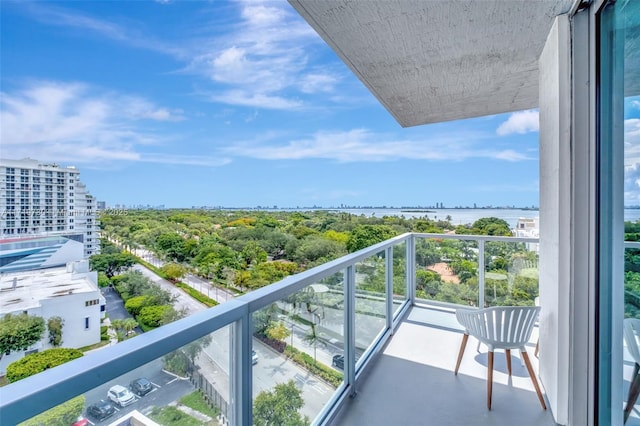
(40, 361)
(60, 415)
(327, 373)
(196, 294)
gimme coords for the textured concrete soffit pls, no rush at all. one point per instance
(430, 61)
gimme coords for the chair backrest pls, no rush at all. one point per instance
(631, 331)
(503, 327)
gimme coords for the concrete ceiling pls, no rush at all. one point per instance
(430, 61)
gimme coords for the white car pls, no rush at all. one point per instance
(254, 357)
(121, 396)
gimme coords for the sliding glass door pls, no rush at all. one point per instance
(618, 198)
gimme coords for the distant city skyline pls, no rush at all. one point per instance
(233, 104)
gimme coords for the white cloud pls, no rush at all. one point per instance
(632, 161)
(520, 122)
(361, 145)
(256, 100)
(126, 33)
(635, 104)
(264, 61)
(265, 55)
(75, 122)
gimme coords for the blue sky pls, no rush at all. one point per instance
(234, 104)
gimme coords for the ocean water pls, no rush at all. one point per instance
(468, 216)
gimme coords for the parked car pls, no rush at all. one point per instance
(338, 362)
(141, 386)
(80, 422)
(254, 357)
(101, 410)
(121, 396)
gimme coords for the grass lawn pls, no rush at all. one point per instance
(196, 401)
(171, 416)
(95, 346)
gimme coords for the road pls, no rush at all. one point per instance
(272, 367)
(217, 293)
(183, 300)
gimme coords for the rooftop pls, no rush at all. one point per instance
(20, 291)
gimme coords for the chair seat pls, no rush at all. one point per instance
(502, 327)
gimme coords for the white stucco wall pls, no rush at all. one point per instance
(555, 213)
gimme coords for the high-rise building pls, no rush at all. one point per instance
(38, 198)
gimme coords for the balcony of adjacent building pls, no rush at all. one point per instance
(367, 339)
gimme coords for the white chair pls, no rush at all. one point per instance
(631, 334)
(502, 327)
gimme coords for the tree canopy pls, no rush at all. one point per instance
(279, 406)
(18, 332)
(111, 264)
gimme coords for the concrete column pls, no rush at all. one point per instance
(555, 215)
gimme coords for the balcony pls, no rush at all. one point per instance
(375, 309)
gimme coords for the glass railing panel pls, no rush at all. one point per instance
(188, 386)
(299, 353)
(371, 298)
(511, 273)
(399, 275)
(447, 270)
(632, 280)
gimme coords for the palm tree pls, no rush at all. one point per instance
(313, 339)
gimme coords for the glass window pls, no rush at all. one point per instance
(619, 212)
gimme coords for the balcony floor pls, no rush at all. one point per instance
(412, 382)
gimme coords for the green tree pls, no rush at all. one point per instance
(279, 407)
(152, 316)
(18, 332)
(252, 254)
(173, 271)
(54, 325)
(367, 235)
(111, 264)
(194, 348)
(277, 331)
(490, 226)
(103, 280)
(313, 338)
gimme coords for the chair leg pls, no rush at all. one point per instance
(634, 391)
(489, 380)
(535, 353)
(507, 352)
(465, 337)
(527, 362)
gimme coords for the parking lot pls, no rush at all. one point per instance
(166, 389)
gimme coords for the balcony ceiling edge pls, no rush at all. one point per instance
(429, 61)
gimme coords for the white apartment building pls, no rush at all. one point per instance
(529, 227)
(38, 198)
(70, 293)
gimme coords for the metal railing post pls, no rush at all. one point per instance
(481, 274)
(410, 269)
(241, 371)
(350, 329)
(389, 287)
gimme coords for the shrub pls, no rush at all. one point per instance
(40, 361)
(153, 316)
(326, 373)
(135, 304)
(60, 415)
